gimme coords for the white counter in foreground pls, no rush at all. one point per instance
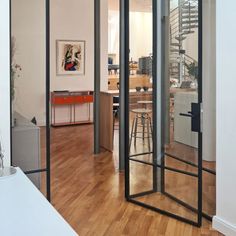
(24, 211)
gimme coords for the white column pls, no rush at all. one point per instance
(225, 219)
(209, 80)
(5, 80)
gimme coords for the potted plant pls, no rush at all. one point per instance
(192, 70)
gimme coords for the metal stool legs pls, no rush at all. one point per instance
(144, 122)
(115, 114)
(132, 132)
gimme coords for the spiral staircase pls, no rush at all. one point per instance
(183, 22)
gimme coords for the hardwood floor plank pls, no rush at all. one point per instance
(88, 190)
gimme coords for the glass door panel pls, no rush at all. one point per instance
(28, 84)
(140, 97)
(165, 157)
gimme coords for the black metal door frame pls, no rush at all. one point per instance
(97, 74)
(97, 79)
(158, 87)
(47, 169)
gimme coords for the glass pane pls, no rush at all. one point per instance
(138, 182)
(209, 193)
(140, 80)
(172, 183)
(28, 87)
(181, 144)
(176, 187)
(114, 73)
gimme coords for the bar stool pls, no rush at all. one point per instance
(116, 108)
(145, 103)
(142, 120)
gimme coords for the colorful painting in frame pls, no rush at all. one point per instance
(70, 57)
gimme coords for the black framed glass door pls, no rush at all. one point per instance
(163, 96)
(30, 91)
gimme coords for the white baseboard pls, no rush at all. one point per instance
(41, 123)
(223, 226)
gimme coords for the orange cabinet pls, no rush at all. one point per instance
(79, 99)
(88, 98)
(63, 100)
(70, 99)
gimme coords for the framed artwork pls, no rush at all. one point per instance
(70, 57)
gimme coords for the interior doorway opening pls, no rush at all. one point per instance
(144, 150)
(166, 165)
(54, 94)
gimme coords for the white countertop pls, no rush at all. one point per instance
(131, 91)
(172, 90)
(24, 211)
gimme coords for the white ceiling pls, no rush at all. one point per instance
(135, 5)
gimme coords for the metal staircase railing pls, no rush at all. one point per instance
(183, 21)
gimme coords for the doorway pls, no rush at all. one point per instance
(163, 131)
(35, 82)
(30, 91)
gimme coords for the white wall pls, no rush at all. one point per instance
(209, 80)
(114, 34)
(173, 4)
(140, 34)
(190, 45)
(78, 25)
(225, 219)
(208, 77)
(28, 28)
(73, 21)
(5, 80)
(104, 45)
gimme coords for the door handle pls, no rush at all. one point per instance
(189, 114)
(194, 114)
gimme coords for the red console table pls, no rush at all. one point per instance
(71, 99)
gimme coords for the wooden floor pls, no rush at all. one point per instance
(181, 186)
(88, 191)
